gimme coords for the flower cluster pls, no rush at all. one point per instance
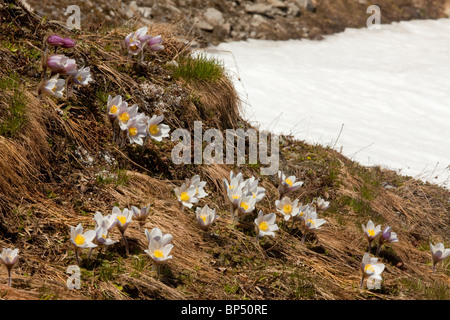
(129, 124)
(243, 195)
(386, 235)
(140, 41)
(99, 236)
(61, 65)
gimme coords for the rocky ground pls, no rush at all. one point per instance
(202, 21)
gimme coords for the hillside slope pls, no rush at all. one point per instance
(59, 166)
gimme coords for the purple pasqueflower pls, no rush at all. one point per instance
(55, 40)
(61, 64)
(68, 43)
(155, 43)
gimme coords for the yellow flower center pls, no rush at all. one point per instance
(203, 218)
(371, 232)
(122, 219)
(158, 254)
(133, 131)
(245, 205)
(301, 214)
(312, 222)
(124, 117)
(184, 196)
(79, 239)
(289, 182)
(263, 226)
(153, 129)
(54, 89)
(231, 186)
(79, 78)
(369, 267)
(133, 47)
(196, 190)
(114, 109)
(235, 196)
(287, 209)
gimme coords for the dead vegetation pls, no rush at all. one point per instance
(61, 167)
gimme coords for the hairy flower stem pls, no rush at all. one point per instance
(127, 251)
(303, 237)
(77, 256)
(9, 277)
(362, 282)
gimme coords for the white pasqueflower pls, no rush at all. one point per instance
(126, 114)
(371, 231)
(312, 222)
(265, 224)
(199, 185)
(287, 184)
(55, 86)
(137, 129)
(101, 237)
(114, 105)
(156, 129)
(205, 216)
(159, 252)
(386, 236)
(186, 195)
(140, 214)
(123, 220)
(303, 211)
(287, 207)
(234, 196)
(371, 269)
(157, 235)
(235, 181)
(106, 222)
(81, 240)
(321, 204)
(251, 188)
(246, 204)
(61, 64)
(82, 77)
(438, 253)
(9, 258)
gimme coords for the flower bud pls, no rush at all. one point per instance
(55, 40)
(68, 43)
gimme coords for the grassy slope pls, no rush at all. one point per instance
(48, 183)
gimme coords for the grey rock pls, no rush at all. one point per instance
(214, 17)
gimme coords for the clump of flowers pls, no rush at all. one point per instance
(9, 258)
(139, 41)
(159, 248)
(61, 65)
(287, 184)
(371, 269)
(242, 194)
(438, 253)
(133, 126)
